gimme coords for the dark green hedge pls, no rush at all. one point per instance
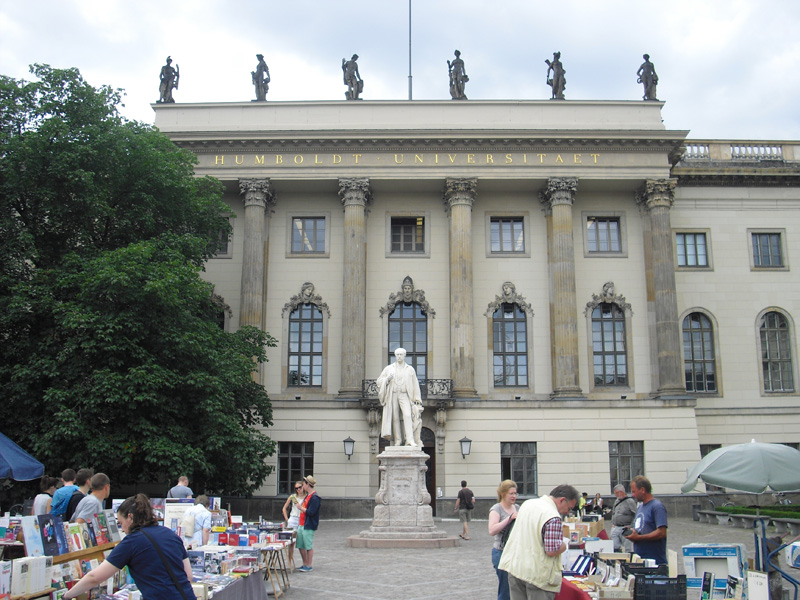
(781, 511)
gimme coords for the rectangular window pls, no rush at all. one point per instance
(625, 461)
(518, 463)
(308, 235)
(408, 234)
(295, 460)
(603, 234)
(692, 250)
(305, 346)
(507, 235)
(510, 346)
(767, 250)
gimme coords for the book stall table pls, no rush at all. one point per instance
(276, 571)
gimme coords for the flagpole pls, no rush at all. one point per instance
(409, 49)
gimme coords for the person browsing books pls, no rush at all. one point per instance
(202, 522)
(649, 535)
(64, 493)
(501, 520)
(92, 504)
(84, 482)
(154, 555)
(42, 503)
(182, 490)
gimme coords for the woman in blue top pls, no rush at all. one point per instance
(138, 553)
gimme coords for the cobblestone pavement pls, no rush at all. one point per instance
(340, 572)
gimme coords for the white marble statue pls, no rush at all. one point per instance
(399, 394)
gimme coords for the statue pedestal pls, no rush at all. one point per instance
(402, 516)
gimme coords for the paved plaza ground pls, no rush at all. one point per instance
(451, 573)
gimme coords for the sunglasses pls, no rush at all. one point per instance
(298, 487)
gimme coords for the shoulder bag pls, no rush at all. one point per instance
(166, 564)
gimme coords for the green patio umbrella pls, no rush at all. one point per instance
(753, 467)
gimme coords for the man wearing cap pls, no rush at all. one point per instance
(309, 521)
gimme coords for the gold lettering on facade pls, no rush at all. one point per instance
(452, 158)
(239, 159)
(595, 157)
(541, 158)
(357, 156)
(489, 159)
(298, 159)
(436, 159)
(509, 160)
(559, 159)
(279, 159)
(470, 159)
(399, 158)
(317, 161)
(219, 159)
(418, 158)
(577, 159)
(337, 159)
(259, 160)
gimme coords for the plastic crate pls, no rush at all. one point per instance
(640, 569)
(649, 587)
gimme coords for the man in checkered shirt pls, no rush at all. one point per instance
(532, 553)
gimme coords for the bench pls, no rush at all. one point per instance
(706, 516)
(784, 525)
(746, 521)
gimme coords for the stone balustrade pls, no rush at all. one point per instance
(740, 150)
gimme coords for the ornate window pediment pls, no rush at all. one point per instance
(407, 294)
(509, 296)
(610, 296)
(306, 296)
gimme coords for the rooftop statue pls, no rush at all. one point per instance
(352, 78)
(558, 82)
(458, 77)
(648, 78)
(169, 81)
(261, 79)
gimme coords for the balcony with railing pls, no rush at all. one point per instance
(436, 393)
(740, 150)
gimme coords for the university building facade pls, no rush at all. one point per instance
(585, 294)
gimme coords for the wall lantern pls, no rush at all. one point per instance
(349, 446)
(466, 446)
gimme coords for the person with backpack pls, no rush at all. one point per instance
(465, 502)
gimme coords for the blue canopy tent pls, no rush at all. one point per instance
(17, 464)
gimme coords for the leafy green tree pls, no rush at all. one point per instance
(111, 350)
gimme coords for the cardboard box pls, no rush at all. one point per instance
(792, 555)
(720, 559)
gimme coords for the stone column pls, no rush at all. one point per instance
(459, 195)
(558, 197)
(657, 197)
(259, 199)
(355, 194)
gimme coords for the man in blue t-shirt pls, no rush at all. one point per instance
(649, 534)
(64, 493)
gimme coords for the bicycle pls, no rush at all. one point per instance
(780, 498)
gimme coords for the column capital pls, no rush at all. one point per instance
(257, 192)
(559, 190)
(355, 191)
(460, 191)
(657, 192)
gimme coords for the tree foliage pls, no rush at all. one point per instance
(111, 352)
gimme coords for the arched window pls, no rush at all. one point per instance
(776, 353)
(699, 358)
(609, 353)
(305, 346)
(408, 328)
(510, 346)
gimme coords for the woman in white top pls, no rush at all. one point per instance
(293, 519)
(43, 501)
(501, 519)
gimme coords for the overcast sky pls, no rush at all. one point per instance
(728, 69)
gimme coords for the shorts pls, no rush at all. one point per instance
(293, 523)
(464, 515)
(305, 538)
